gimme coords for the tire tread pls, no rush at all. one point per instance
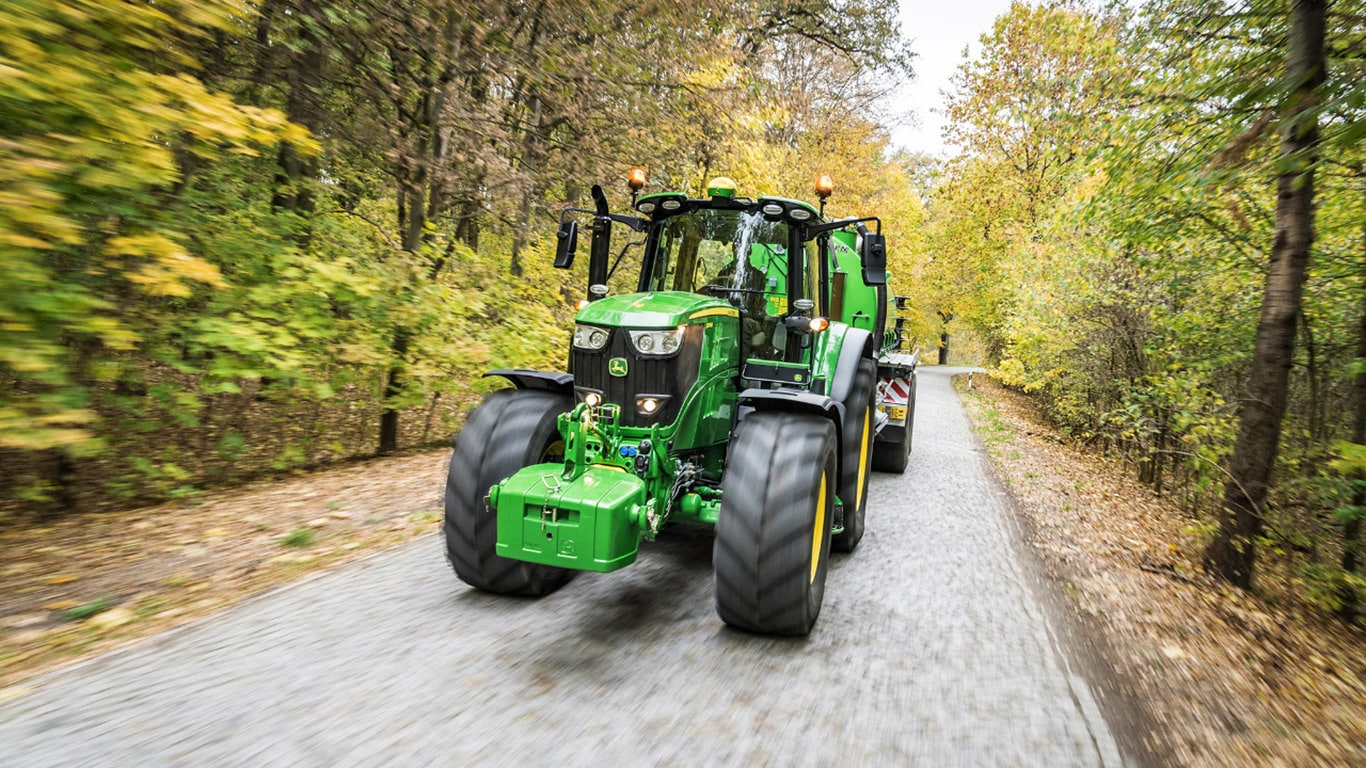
(505, 433)
(762, 552)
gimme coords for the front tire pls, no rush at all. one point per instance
(773, 534)
(857, 455)
(511, 429)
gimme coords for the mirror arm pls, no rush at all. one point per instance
(570, 209)
(634, 222)
(811, 230)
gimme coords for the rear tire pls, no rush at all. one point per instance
(773, 534)
(511, 429)
(857, 456)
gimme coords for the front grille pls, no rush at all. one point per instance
(668, 376)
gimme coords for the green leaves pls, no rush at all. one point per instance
(89, 152)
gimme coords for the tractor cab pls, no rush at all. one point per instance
(733, 250)
(774, 260)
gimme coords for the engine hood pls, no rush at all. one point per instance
(663, 309)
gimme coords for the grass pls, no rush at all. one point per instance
(300, 537)
(424, 516)
(150, 608)
(82, 612)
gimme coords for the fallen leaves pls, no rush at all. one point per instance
(115, 617)
(86, 584)
(1228, 678)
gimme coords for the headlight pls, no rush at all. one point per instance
(657, 342)
(589, 337)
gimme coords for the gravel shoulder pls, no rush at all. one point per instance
(1202, 674)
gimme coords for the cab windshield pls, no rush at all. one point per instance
(730, 254)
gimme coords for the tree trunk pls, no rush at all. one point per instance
(1232, 554)
(529, 163)
(303, 72)
(944, 338)
(64, 481)
(412, 219)
(467, 222)
(388, 419)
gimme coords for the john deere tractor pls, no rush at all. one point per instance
(740, 383)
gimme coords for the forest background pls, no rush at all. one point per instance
(243, 237)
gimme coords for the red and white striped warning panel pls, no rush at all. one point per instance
(893, 391)
(892, 396)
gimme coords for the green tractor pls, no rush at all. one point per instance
(749, 379)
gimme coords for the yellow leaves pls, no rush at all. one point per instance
(1012, 372)
(1091, 185)
(719, 71)
(112, 333)
(17, 240)
(168, 268)
(23, 425)
(1351, 458)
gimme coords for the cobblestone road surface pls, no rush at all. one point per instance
(931, 650)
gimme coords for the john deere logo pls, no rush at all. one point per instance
(617, 366)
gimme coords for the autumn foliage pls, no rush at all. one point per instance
(251, 237)
(1109, 227)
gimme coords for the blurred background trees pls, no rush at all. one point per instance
(1109, 227)
(244, 237)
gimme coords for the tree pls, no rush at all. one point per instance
(1233, 551)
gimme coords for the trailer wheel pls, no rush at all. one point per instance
(773, 534)
(511, 429)
(894, 455)
(856, 452)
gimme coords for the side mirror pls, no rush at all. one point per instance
(874, 257)
(567, 241)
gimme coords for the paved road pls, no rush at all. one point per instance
(931, 650)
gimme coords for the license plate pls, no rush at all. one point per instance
(894, 412)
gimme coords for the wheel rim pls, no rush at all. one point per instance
(817, 537)
(862, 462)
(552, 453)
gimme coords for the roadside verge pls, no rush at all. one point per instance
(86, 584)
(1221, 677)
